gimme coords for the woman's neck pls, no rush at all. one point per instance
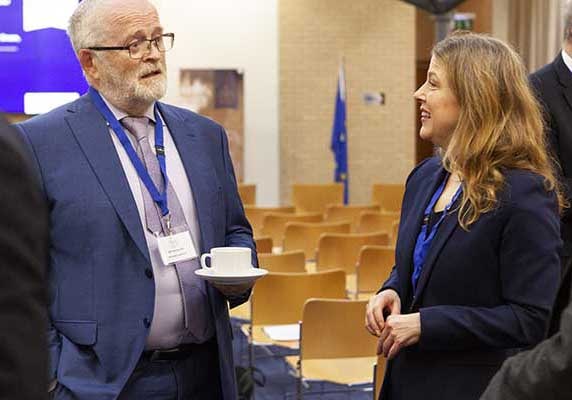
(451, 187)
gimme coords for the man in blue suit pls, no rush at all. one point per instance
(121, 173)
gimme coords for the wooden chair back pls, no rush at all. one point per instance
(376, 222)
(279, 298)
(274, 225)
(333, 328)
(288, 261)
(378, 375)
(348, 213)
(263, 244)
(255, 215)
(247, 193)
(305, 235)
(388, 196)
(339, 250)
(315, 197)
(373, 267)
(395, 231)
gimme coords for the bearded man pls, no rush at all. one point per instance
(120, 172)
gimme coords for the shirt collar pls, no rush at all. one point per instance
(119, 114)
(567, 60)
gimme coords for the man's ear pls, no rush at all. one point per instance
(87, 63)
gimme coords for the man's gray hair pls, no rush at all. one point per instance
(82, 28)
(567, 13)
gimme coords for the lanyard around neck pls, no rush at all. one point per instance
(159, 197)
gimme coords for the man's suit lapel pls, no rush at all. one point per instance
(198, 166)
(565, 79)
(91, 133)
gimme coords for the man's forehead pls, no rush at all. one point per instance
(129, 18)
(132, 5)
(127, 10)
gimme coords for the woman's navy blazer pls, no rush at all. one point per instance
(483, 294)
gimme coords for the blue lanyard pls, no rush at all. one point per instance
(156, 195)
(424, 240)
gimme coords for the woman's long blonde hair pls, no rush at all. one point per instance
(500, 122)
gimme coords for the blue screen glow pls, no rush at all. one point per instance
(38, 67)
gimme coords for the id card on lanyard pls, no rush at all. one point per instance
(424, 239)
(172, 247)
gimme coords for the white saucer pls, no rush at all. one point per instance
(251, 275)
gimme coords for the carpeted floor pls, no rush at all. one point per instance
(280, 380)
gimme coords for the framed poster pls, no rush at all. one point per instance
(218, 94)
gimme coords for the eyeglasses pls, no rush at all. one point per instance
(139, 48)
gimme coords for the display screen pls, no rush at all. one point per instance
(38, 67)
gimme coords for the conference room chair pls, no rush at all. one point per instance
(247, 193)
(305, 235)
(387, 195)
(263, 244)
(334, 345)
(348, 213)
(290, 261)
(341, 250)
(255, 215)
(274, 225)
(373, 268)
(377, 221)
(315, 197)
(278, 299)
(395, 231)
(378, 375)
(287, 261)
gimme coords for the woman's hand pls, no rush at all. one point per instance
(399, 331)
(385, 302)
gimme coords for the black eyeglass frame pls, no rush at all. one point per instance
(139, 41)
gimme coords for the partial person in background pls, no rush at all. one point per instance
(477, 255)
(545, 372)
(553, 86)
(23, 262)
(125, 175)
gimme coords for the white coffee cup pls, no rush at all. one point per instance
(228, 260)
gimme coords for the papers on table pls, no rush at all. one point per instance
(283, 332)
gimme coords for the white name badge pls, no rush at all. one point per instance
(176, 248)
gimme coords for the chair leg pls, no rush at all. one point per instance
(299, 382)
(250, 348)
(374, 381)
(251, 356)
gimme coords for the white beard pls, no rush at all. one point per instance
(128, 90)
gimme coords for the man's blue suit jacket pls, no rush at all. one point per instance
(101, 297)
(482, 293)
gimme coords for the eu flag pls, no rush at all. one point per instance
(339, 143)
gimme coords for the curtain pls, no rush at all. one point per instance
(535, 28)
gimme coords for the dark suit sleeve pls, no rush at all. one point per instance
(24, 247)
(53, 336)
(529, 267)
(541, 373)
(238, 232)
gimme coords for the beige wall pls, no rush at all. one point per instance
(377, 39)
(231, 34)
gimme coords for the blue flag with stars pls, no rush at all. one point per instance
(339, 143)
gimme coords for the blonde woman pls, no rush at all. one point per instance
(477, 257)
